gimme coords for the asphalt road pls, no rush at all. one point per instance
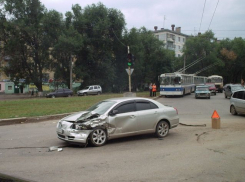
(188, 153)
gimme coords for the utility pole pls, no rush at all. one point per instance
(71, 64)
(129, 74)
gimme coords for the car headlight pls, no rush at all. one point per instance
(79, 127)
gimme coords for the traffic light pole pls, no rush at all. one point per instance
(129, 75)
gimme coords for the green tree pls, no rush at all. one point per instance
(151, 57)
(231, 52)
(28, 31)
(203, 47)
(65, 51)
(100, 27)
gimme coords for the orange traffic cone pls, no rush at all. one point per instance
(215, 120)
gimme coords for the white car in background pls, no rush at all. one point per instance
(90, 90)
(237, 102)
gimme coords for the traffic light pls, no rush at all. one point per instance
(129, 59)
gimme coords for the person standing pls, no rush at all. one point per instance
(154, 89)
(150, 89)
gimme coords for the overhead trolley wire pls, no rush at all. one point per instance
(213, 14)
(202, 15)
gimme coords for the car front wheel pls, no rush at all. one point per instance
(98, 137)
(233, 110)
(162, 129)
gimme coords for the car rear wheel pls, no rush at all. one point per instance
(162, 129)
(98, 93)
(233, 110)
(98, 137)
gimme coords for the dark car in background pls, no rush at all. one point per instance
(64, 92)
(231, 88)
(237, 102)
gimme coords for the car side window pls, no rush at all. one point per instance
(142, 106)
(95, 87)
(235, 95)
(239, 94)
(153, 106)
(90, 88)
(127, 107)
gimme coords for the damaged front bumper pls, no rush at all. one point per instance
(66, 133)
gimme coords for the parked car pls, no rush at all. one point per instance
(212, 88)
(232, 88)
(202, 92)
(115, 118)
(90, 90)
(237, 102)
(64, 92)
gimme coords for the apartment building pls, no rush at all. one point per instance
(173, 39)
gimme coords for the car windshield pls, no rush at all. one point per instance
(238, 87)
(202, 89)
(101, 107)
(86, 88)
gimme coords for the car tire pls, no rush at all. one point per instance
(53, 96)
(85, 94)
(233, 110)
(98, 137)
(98, 93)
(214, 93)
(69, 95)
(226, 96)
(162, 129)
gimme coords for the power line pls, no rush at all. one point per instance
(213, 14)
(118, 38)
(202, 15)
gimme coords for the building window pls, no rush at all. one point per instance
(183, 39)
(178, 55)
(0, 86)
(179, 39)
(179, 47)
(9, 87)
(157, 36)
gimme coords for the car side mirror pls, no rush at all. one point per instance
(113, 112)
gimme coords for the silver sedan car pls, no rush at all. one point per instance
(115, 118)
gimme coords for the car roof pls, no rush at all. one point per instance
(122, 99)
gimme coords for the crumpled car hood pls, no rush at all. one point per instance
(74, 117)
(88, 119)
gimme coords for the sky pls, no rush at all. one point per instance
(226, 18)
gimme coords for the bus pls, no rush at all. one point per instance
(217, 80)
(176, 84)
(199, 80)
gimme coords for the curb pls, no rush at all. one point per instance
(32, 119)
